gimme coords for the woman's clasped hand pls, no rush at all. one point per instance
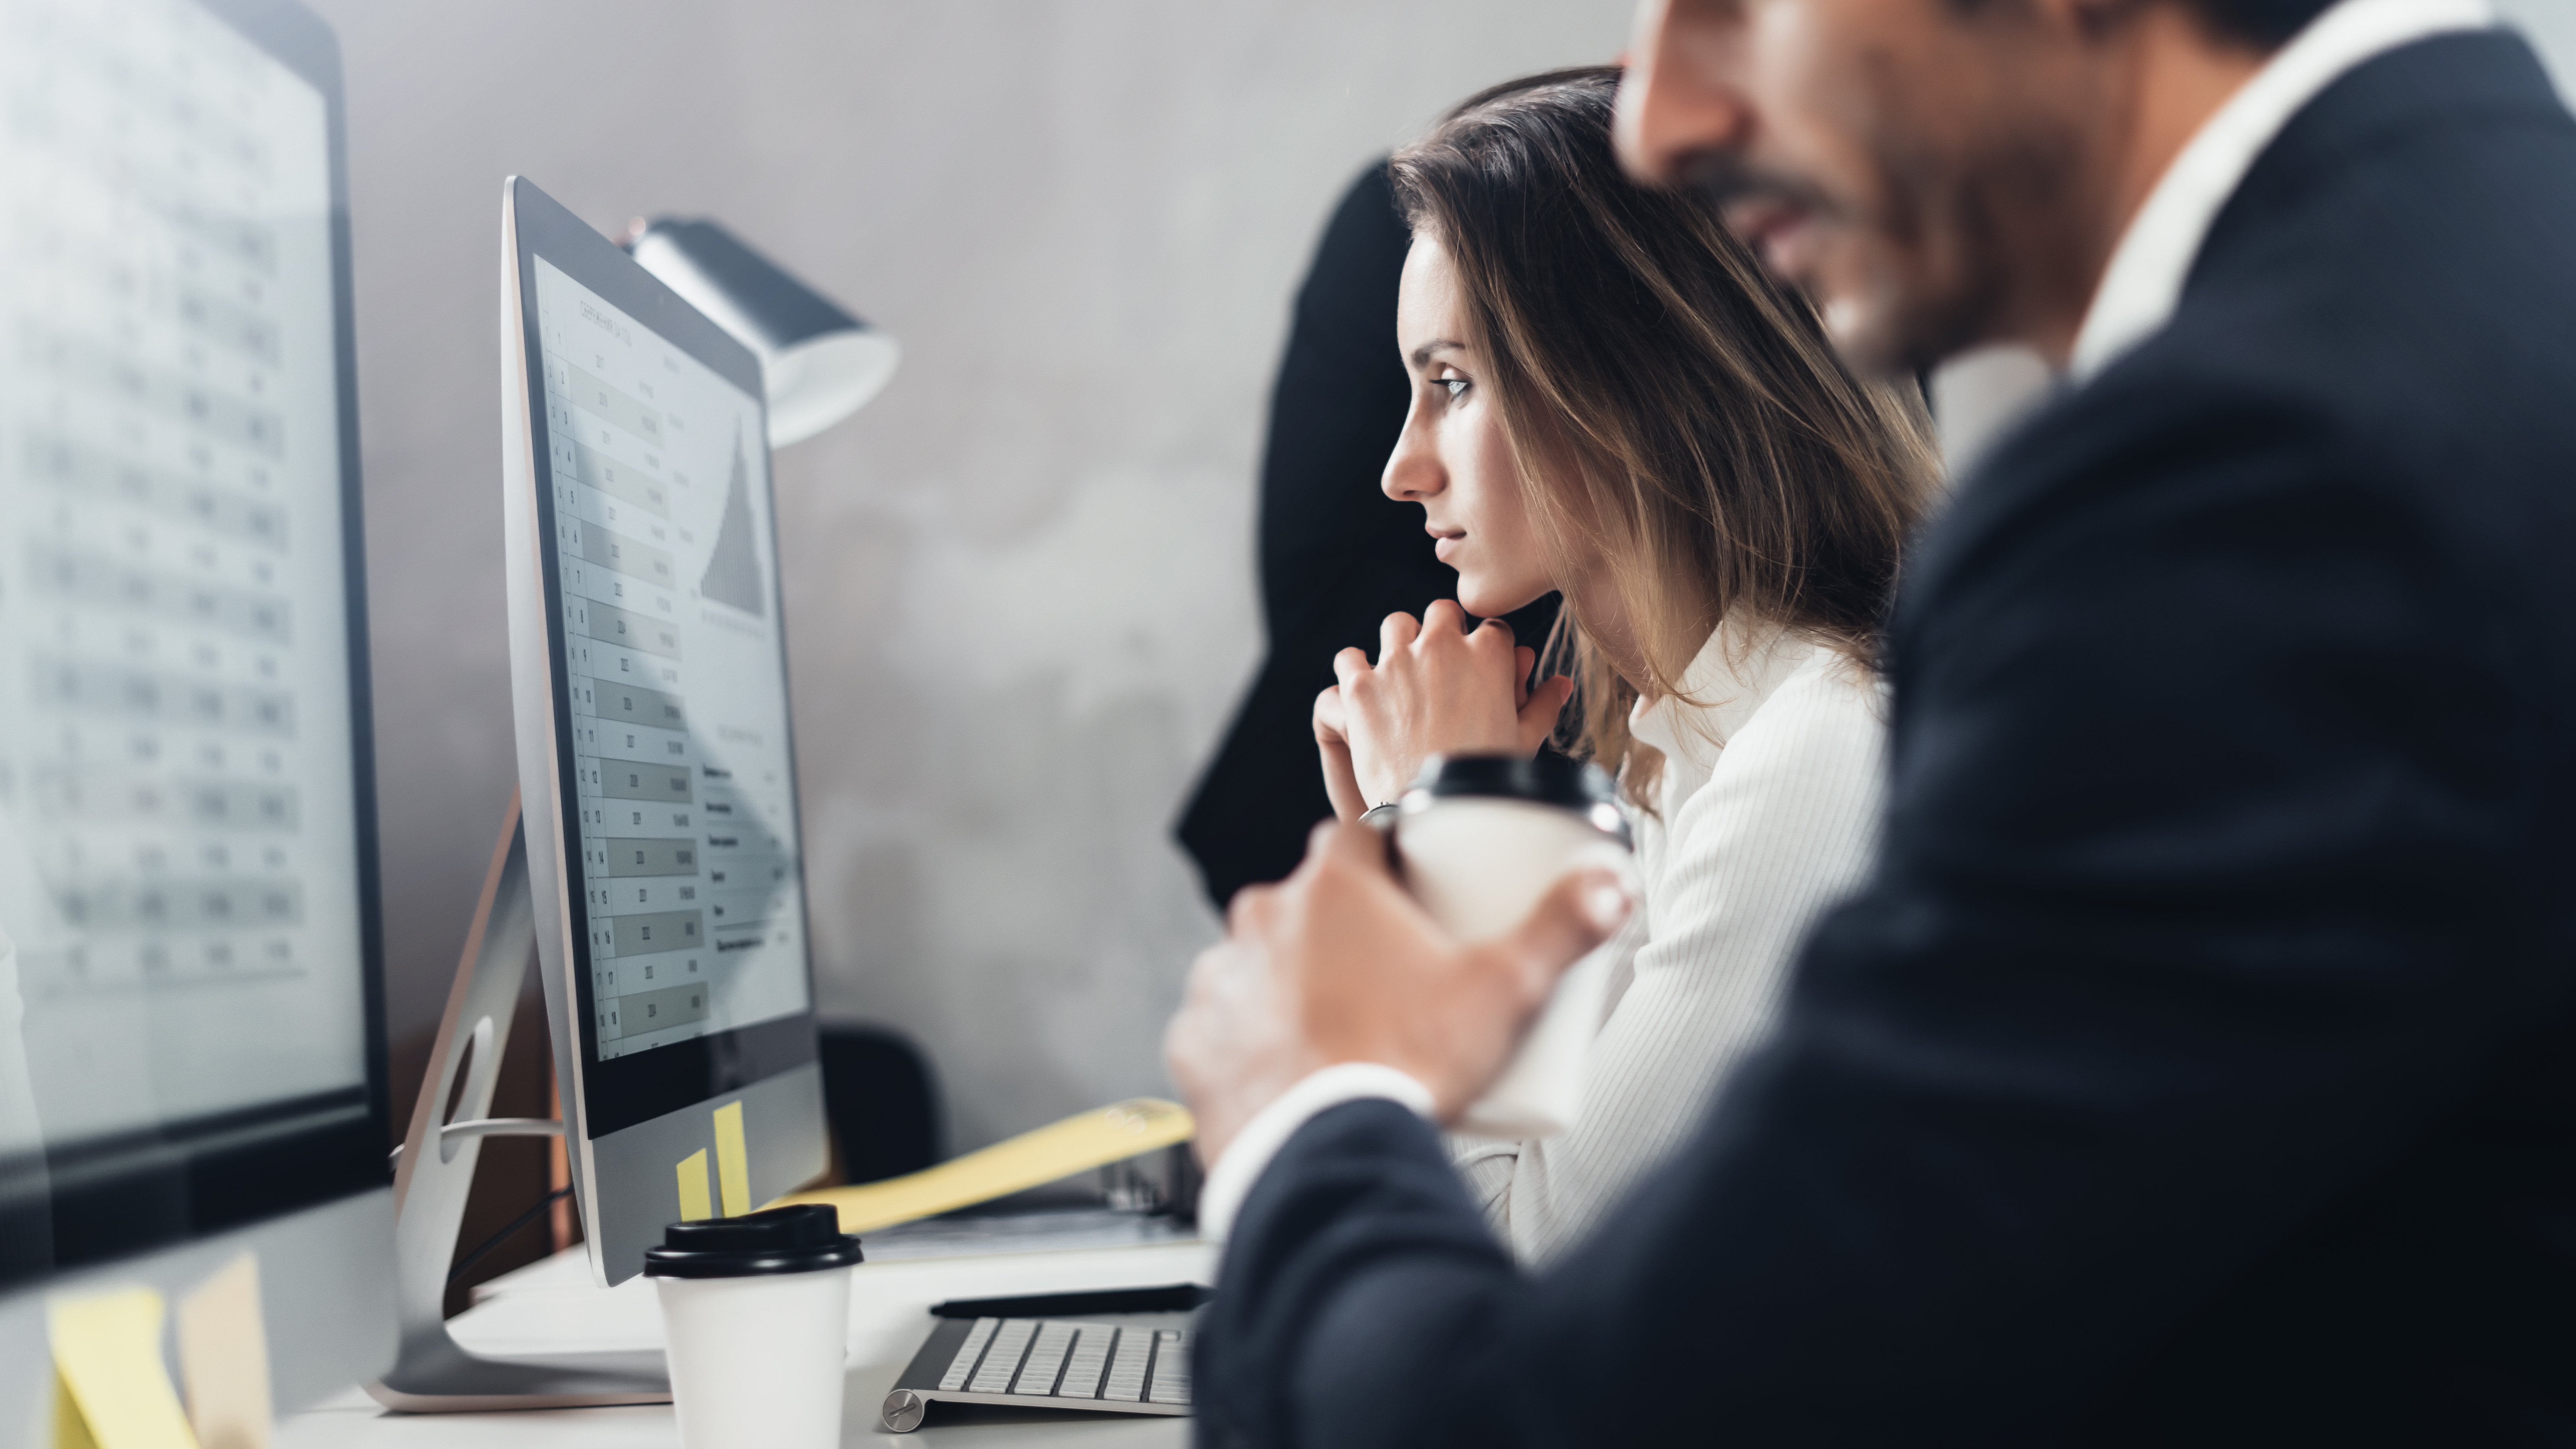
(1437, 687)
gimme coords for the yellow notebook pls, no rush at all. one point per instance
(1033, 1159)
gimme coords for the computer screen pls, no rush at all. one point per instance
(656, 767)
(186, 991)
(676, 676)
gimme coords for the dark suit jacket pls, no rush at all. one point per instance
(2200, 1065)
(1337, 555)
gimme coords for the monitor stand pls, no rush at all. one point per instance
(432, 1373)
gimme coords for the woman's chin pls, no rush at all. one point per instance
(1484, 602)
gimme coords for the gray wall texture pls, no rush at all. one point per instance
(1019, 585)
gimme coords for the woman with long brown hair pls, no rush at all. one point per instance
(1612, 402)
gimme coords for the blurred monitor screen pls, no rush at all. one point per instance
(185, 1014)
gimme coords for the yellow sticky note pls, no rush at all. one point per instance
(694, 1207)
(70, 1430)
(110, 1388)
(223, 1358)
(1077, 1144)
(733, 1160)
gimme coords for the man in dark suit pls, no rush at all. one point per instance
(2200, 1064)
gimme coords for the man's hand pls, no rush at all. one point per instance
(1337, 964)
(1437, 688)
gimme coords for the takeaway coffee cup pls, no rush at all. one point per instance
(1479, 838)
(756, 1310)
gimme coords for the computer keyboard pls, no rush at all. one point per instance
(1045, 1363)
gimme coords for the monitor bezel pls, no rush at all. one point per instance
(117, 1196)
(625, 1091)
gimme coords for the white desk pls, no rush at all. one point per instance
(552, 1307)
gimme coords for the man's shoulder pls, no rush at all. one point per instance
(2337, 359)
(2389, 297)
(2398, 269)
(2405, 248)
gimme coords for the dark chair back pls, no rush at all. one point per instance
(882, 1101)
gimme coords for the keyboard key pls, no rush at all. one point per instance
(1128, 1364)
(1171, 1368)
(967, 1352)
(1088, 1361)
(1009, 1345)
(1037, 1376)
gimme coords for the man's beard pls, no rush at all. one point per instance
(1931, 290)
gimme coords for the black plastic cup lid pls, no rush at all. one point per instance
(806, 1238)
(1542, 779)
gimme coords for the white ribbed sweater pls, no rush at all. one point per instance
(1770, 801)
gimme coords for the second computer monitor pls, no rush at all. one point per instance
(192, 1060)
(656, 775)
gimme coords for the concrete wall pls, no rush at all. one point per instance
(1019, 586)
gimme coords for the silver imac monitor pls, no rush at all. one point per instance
(191, 1053)
(656, 774)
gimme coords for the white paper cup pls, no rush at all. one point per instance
(756, 1330)
(1478, 862)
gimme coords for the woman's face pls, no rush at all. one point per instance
(1453, 459)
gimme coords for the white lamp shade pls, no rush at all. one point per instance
(818, 362)
(820, 381)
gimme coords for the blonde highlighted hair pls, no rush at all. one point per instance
(1676, 415)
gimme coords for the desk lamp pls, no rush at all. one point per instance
(818, 363)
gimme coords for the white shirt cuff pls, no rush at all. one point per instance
(1230, 1181)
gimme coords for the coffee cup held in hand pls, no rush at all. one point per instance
(1478, 840)
(756, 1312)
